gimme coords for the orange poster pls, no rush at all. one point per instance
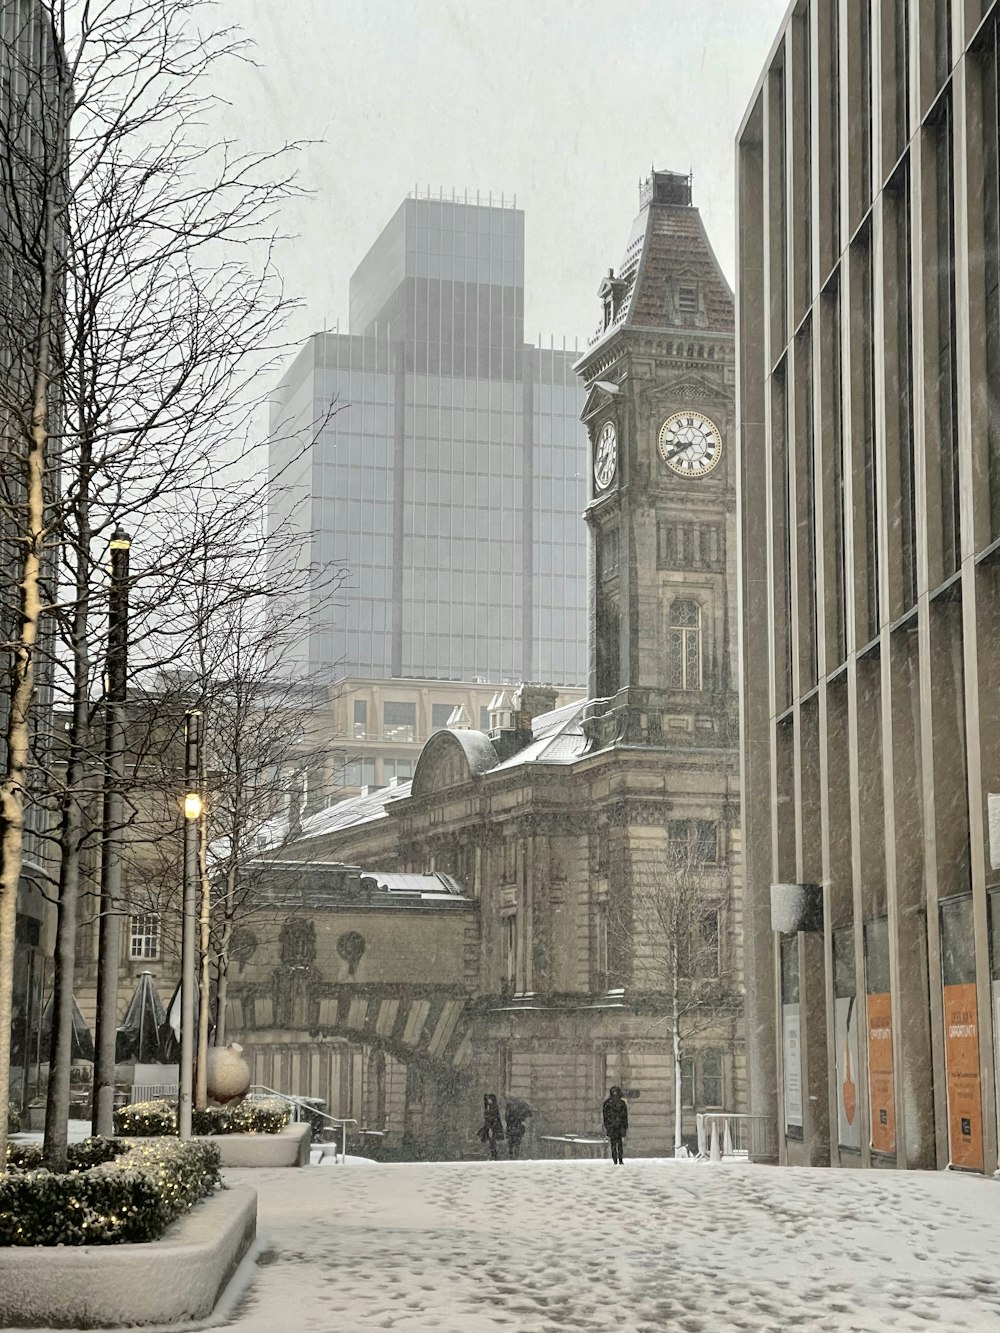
(881, 1094)
(965, 1107)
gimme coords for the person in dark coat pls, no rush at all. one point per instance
(616, 1124)
(516, 1114)
(492, 1127)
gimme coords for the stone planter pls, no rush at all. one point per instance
(179, 1277)
(289, 1148)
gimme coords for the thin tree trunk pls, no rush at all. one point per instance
(70, 832)
(222, 958)
(675, 1024)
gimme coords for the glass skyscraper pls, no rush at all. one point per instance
(447, 477)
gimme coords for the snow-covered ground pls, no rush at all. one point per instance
(587, 1247)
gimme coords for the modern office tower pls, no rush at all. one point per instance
(869, 355)
(32, 99)
(448, 474)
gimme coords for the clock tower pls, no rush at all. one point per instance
(659, 377)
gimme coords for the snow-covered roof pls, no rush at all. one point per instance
(361, 809)
(556, 738)
(309, 883)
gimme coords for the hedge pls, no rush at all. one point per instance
(113, 1192)
(153, 1119)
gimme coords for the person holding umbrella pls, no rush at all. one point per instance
(491, 1131)
(516, 1114)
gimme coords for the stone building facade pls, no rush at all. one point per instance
(569, 828)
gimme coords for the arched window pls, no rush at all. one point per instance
(684, 646)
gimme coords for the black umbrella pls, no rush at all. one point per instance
(170, 1045)
(82, 1045)
(140, 1033)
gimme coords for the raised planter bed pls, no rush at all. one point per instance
(176, 1278)
(289, 1148)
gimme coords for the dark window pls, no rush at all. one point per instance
(687, 1081)
(864, 110)
(951, 537)
(687, 299)
(958, 954)
(360, 718)
(607, 553)
(901, 390)
(359, 773)
(684, 645)
(790, 969)
(991, 237)
(844, 979)
(831, 313)
(865, 378)
(693, 840)
(484, 718)
(808, 624)
(440, 713)
(711, 1078)
(942, 40)
(711, 545)
(902, 72)
(399, 721)
(877, 957)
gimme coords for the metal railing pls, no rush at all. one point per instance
(151, 1092)
(309, 1109)
(723, 1134)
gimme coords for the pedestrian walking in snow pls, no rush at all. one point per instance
(516, 1114)
(616, 1124)
(492, 1128)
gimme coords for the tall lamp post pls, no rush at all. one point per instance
(192, 818)
(109, 937)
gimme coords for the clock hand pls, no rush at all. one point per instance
(680, 448)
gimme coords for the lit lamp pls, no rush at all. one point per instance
(192, 814)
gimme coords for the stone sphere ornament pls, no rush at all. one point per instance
(227, 1073)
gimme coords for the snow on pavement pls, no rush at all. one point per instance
(587, 1247)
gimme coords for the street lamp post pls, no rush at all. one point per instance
(192, 817)
(109, 936)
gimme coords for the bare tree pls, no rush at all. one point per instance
(675, 925)
(141, 310)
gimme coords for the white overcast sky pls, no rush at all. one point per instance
(565, 103)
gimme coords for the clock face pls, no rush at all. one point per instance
(605, 456)
(690, 444)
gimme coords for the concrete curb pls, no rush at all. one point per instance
(289, 1148)
(175, 1279)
